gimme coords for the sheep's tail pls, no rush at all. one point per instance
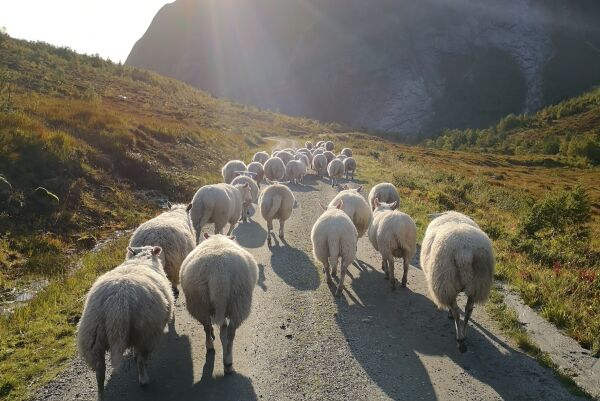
(218, 292)
(334, 248)
(275, 205)
(203, 215)
(117, 323)
(91, 341)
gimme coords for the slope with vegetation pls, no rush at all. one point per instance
(544, 221)
(89, 147)
(568, 132)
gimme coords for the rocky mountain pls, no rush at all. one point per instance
(405, 66)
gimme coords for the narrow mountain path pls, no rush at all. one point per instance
(301, 343)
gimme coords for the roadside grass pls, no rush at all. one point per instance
(37, 339)
(430, 181)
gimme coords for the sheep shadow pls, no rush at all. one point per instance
(391, 334)
(170, 369)
(261, 277)
(295, 268)
(232, 387)
(250, 234)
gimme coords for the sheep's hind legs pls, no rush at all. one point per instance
(405, 274)
(227, 335)
(281, 227)
(460, 333)
(141, 358)
(210, 337)
(100, 376)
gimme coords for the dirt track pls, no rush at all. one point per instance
(301, 343)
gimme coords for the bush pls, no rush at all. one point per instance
(586, 147)
(556, 228)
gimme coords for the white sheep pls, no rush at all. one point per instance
(329, 146)
(347, 152)
(230, 168)
(308, 145)
(318, 151)
(439, 219)
(393, 234)
(258, 170)
(173, 232)
(319, 164)
(274, 169)
(285, 156)
(355, 206)
(127, 307)
(260, 157)
(320, 144)
(218, 279)
(457, 257)
(304, 159)
(247, 205)
(329, 155)
(385, 192)
(295, 171)
(334, 236)
(341, 157)
(276, 202)
(219, 204)
(349, 167)
(335, 169)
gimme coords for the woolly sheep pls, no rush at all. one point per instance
(285, 156)
(355, 206)
(318, 151)
(260, 157)
(127, 307)
(173, 232)
(304, 159)
(257, 169)
(329, 146)
(341, 157)
(335, 169)
(274, 169)
(385, 192)
(439, 220)
(218, 279)
(218, 204)
(457, 257)
(320, 164)
(295, 171)
(276, 203)
(247, 210)
(393, 234)
(329, 155)
(308, 145)
(274, 152)
(349, 167)
(230, 169)
(320, 144)
(334, 236)
(301, 150)
(347, 152)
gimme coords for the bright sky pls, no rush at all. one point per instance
(107, 27)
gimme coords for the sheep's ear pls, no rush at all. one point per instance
(188, 208)
(359, 189)
(246, 185)
(394, 205)
(205, 235)
(130, 250)
(156, 250)
(232, 237)
(376, 202)
(169, 205)
(340, 204)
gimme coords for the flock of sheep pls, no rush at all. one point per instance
(130, 306)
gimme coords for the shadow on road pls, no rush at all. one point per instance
(391, 333)
(250, 234)
(294, 267)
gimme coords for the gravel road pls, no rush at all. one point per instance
(301, 343)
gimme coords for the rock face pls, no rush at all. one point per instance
(390, 65)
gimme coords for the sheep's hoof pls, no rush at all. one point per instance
(394, 285)
(281, 236)
(450, 314)
(338, 293)
(462, 345)
(403, 283)
(269, 241)
(228, 368)
(175, 292)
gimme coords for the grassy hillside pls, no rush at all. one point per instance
(108, 144)
(568, 132)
